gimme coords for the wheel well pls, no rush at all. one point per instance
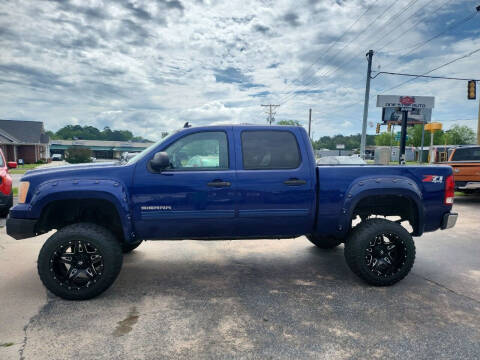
(388, 205)
(61, 213)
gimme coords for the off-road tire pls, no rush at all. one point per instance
(361, 237)
(96, 236)
(126, 247)
(324, 242)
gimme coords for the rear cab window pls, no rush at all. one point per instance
(270, 150)
(466, 154)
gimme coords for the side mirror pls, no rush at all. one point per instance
(12, 165)
(160, 161)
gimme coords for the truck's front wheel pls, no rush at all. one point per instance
(379, 251)
(80, 261)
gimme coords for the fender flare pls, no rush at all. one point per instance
(382, 185)
(70, 189)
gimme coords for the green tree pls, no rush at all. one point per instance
(71, 132)
(289, 123)
(386, 139)
(460, 135)
(78, 154)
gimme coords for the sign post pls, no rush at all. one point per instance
(405, 104)
(340, 147)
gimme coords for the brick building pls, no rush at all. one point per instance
(25, 140)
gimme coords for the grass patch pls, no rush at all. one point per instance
(15, 191)
(7, 344)
(22, 169)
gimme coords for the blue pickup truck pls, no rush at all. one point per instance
(227, 182)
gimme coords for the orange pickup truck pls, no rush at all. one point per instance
(465, 161)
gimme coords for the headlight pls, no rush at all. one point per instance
(23, 191)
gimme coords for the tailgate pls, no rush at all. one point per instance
(468, 171)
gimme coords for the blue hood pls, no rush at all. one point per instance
(91, 170)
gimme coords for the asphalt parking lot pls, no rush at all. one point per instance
(251, 299)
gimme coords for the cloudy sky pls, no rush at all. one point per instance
(149, 66)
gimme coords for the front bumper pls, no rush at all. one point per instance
(449, 220)
(21, 228)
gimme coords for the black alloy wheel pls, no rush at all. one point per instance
(77, 264)
(386, 254)
(380, 252)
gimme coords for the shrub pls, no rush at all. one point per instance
(78, 154)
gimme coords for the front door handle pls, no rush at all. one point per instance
(219, 183)
(294, 182)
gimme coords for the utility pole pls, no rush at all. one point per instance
(403, 137)
(478, 123)
(270, 112)
(310, 123)
(365, 105)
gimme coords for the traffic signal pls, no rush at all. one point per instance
(378, 128)
(472, 90)
(389, 127)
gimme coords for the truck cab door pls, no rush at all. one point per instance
(275, 183)
(195, 196)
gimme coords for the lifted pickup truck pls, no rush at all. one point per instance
(244, 182)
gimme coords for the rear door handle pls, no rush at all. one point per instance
(219, 183)
(294, 182)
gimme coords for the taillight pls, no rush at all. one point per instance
(449, 190)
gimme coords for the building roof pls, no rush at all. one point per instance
(20, 131)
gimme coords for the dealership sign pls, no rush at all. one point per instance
(411, 102)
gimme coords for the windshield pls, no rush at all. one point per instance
(142, 154)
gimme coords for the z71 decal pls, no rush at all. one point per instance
(433, 178)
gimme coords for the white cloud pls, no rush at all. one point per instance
(149, 66)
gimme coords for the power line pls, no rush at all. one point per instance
(413, 26)
(421, 76)
(338, 39)
(350, 59)
(454, 26)
(346, 44)
(403, 83)
(437, 68)
(463, 21)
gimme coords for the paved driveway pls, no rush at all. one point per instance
(251, 299)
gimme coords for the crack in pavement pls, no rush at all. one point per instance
(21, 351)
(447, 288)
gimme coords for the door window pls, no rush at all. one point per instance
(200, 151)
(270, 150)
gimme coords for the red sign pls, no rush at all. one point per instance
(407, 100)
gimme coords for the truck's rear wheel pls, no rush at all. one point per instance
(324, 242)
(80, 261)
(379, 251)
(126, 247)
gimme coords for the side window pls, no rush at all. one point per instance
(270, 150)
(466, 154)
(205, 150)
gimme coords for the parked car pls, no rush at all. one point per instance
(6, 193)
(57, 157)
(465, 161)
(259, 182)
(341, 160)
